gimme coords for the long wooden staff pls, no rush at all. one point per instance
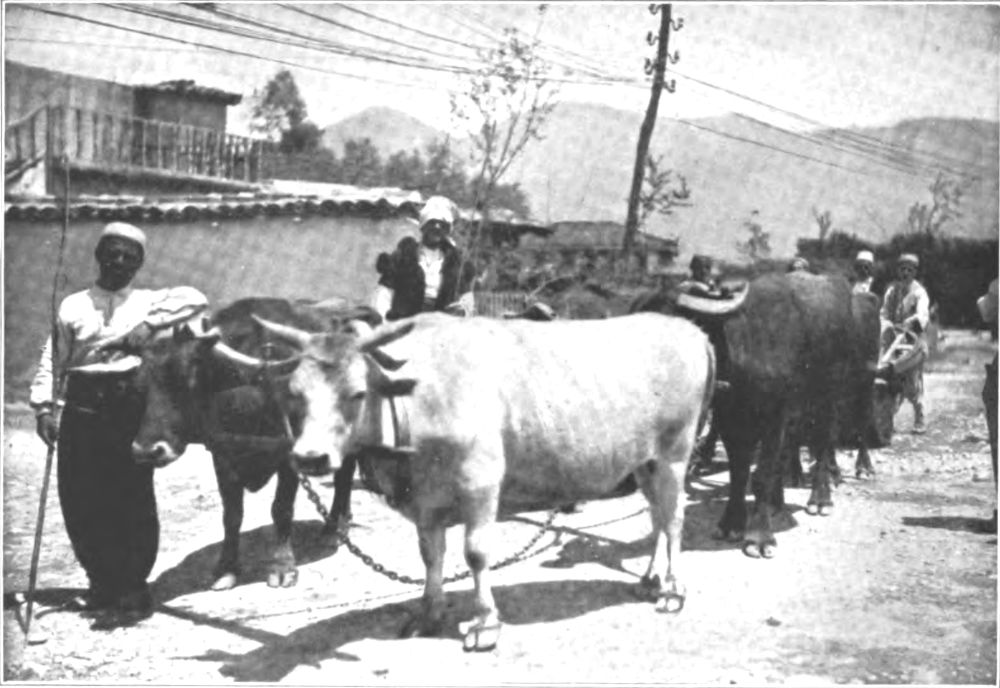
(39, 638)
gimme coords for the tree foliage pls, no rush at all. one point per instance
(277, 107)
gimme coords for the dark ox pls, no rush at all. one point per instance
(800, 362)
(213, 388)
(507, 416)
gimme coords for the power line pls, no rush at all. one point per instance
(407, 27)
(229, 51)
(347, 27)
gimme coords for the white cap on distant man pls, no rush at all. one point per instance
(909, 259)
(125, 231)
(865, 257)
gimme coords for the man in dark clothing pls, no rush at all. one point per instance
(107, 500)
(429, 275)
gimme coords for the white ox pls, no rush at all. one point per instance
(506, 416)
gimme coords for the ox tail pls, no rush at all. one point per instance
(706, 402)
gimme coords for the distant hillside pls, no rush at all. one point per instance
(582, 170)
(390, 130)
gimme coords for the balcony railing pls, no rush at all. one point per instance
(91, 139)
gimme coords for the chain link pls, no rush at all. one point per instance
(343, 537)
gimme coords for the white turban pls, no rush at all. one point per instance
(439, 208)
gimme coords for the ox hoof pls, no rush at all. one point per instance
(671, 597)
(282, 579)
(670, 603)
(864, 474)
(421, 627)
(756, 550)
(478, 636)
(812, 509)
(226, 581)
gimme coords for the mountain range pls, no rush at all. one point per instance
(867, 178)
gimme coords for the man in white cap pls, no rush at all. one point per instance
(864, 263)
(107, 500)
(432, 275)
(907, 305)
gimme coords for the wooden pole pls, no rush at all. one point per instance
(646, 130)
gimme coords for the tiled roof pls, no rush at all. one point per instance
(195, 207)
(187, 87)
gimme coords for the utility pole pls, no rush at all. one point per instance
(657, 69)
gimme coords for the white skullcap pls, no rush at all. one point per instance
(910, 258)
(438, 208)
(125, 231)
(865, 257)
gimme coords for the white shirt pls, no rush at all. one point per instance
(88, 319)
(903, 305)
(862, 286)
(431, 261)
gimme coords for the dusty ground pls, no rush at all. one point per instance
(898, 586)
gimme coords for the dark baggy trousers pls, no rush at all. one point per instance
(990, 401)
(108, 502)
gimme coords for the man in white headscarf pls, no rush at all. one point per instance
(107, 500)
(429, 275)
(864, 263)
(987, 305)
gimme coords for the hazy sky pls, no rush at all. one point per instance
(837, 64)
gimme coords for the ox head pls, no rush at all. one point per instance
(177, 377)
(335, 376)
(701, 309)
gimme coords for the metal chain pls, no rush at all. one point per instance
(343, 537)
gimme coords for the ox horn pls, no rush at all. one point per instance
(286, 332)
(228, 353)
(706, 306)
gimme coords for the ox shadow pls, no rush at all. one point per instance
(194, 573)
(707, 502)
(964, 524)
(519, 604)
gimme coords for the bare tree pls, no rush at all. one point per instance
(758, 244)
(946, 196)
(507, 103)
(660, 193)
(824, 220)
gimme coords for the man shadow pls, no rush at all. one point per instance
(519, 604)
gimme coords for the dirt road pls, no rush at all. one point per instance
(898, 586)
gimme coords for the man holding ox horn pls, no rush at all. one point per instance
(107, 500)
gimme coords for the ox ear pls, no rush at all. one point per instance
(381, 384)
(385, 336)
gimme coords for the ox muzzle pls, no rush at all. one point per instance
(157, 454)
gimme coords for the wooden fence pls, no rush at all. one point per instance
(119, 143)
